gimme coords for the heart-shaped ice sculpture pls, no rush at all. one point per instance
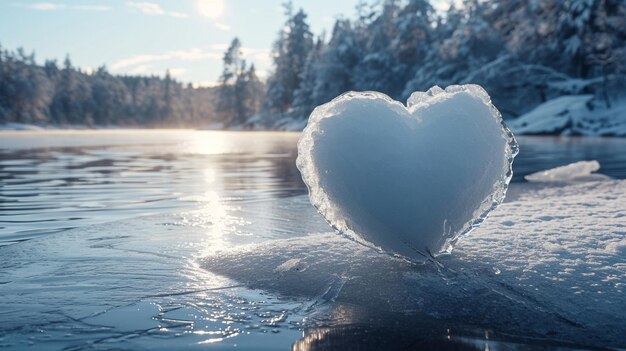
(409, 180)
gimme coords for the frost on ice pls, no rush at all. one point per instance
(577, 171)
(550, 264)
(541, 257)
(409, 180)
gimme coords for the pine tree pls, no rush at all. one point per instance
(290, 53)
(304, 100)
(240, 90)
(254, 91)
(227, 98)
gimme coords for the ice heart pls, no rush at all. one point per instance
(409, 180)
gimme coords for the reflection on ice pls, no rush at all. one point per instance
(385, 331)
(54, 181)
(134, 285)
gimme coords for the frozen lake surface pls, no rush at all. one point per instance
(199, 239)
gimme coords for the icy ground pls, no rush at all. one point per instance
(550, 263)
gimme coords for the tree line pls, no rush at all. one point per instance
(66, 96)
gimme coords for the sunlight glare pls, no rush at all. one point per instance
(211, 8)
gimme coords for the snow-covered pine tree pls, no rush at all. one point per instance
(110, 96)
(72, 100)
(304, 100)
(228, 90)
(255, 92)
(290, 53)
(379, 69)
(336, 69)
(414, 39)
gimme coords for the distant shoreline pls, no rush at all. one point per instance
(21, 127)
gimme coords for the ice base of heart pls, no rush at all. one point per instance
(409, 180)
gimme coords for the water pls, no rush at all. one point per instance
(57, 180)
(120, 218)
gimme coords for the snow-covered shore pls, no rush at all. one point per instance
(567, 115)
(573, 115)
(581, 115)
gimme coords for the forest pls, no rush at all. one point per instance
(523, 53)
(68, 96)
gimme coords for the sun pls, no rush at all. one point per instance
(211, 8)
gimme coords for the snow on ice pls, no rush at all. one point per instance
(549, 263)
(541, 257)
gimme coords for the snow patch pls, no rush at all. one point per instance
(573, 115)
(577, 171)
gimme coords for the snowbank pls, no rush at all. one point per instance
(573, 115)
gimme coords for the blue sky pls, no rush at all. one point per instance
(148, 37)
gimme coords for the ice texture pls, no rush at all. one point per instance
(408, 180)
(577, 171)
(549, 264)
(542, 266)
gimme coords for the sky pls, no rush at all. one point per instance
(188, 37)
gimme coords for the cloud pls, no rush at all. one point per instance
(186, 55)
(222, 26)
(146, 64)
(53, 6)
(43, 6)
(97, 8)
(153, 9)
